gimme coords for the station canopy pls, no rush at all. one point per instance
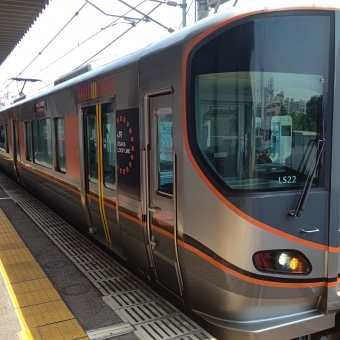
(16, 18)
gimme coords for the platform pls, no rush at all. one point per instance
(56, 284)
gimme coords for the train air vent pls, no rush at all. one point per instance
(73, 74)
(19, 98)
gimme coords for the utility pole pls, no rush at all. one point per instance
(184, 9)
(202, 9)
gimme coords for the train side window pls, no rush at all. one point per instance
(3, 138)
(108, 125)
(60, 145)
(164, 150)
(28, 140)
(42, 145)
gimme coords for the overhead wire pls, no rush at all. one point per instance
(116, 39)
(114, 15)
(110, 25)
(109, 43)
(49, 43)
(86, 40)
(169, 29)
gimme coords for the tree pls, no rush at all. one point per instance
(308, 121)
(313, 110)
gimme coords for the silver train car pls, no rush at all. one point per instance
(208, 161)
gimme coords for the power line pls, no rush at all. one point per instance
(139, 20)
(114, 15)
(40, 53)
(145, 17)
(110, 25)
(115, 39)
(169, 29)
(86, 40)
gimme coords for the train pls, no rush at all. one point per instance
(208, 162)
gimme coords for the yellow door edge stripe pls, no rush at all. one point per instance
(101, 172)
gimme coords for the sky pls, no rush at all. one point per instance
(88, 22)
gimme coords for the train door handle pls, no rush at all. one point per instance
(152, 242)
(309, 231)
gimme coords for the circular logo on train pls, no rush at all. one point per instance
(125, 145)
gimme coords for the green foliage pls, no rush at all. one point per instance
(308, 121)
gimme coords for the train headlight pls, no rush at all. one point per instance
(282, 262)
(283, 259)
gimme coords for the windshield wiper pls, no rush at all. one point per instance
(309, 180)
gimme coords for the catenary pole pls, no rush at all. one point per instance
(202, 9)
(184, 9)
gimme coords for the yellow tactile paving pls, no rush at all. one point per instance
(31, 286)
(67, 330)
(55, 310)
(16, 252)
(44, 314)
(5, 228)
(23, 271)
(34, 298)
(18, 258)
(10, 241)
(44, 308)
(40, 311)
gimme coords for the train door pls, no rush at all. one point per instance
(98, 162)
(16, 150)
(162, 220)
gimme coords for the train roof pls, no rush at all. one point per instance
(244, 8)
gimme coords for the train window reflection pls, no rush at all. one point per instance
(259, 130)
(109, 148)
(60, 143)
(260, 90)
(3, 138)
(91, 125)
(28, 140)
(42, 142)
(165, 161)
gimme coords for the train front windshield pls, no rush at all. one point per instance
(259, 94)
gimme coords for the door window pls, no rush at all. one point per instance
(92, 157)
(109, 147)
(165, 158)
(28, 141)
(60, 143)
(96, 116)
